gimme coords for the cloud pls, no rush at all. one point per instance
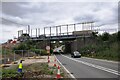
(9, 32)
(43, 14)
(61, 1)
(15, 20)
(101, 15)
(13, 9)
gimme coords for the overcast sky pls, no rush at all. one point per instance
(17, 15)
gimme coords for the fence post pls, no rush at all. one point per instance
(14, 56)
(28, 53)
(5, 56)
(40, 52)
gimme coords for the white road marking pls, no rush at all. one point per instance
(65, 68)
(95, 66)
(101, 60)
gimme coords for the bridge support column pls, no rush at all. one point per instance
(67, 48)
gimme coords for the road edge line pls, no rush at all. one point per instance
(65, 68)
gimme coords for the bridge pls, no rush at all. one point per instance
(74, 36)
(55, 38)
(83, 29)
(62, 32)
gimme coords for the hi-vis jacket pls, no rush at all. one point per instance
(20, 66)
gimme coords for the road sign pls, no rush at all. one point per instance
(48, 48)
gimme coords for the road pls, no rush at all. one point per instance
(88, 67)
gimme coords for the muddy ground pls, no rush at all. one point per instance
(35, 68)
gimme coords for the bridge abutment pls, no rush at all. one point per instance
(78, 44)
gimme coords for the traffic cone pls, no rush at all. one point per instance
(20, 66)
(58, 73)
(55, 63)
(48, 60)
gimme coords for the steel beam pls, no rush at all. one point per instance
(71, 24)
(31, 32)
(38, 31)
(56, 31)
(28, 29)
(67, 29)
(18, 34)
(50, 31)
(74, 27)
(44, 31)
(91, 26)
(60, 30)
(22, 31)
(82, 26)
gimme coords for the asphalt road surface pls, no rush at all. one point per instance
(88, 67)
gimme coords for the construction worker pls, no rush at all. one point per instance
(20, 66)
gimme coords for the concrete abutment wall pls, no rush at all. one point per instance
(78, 43)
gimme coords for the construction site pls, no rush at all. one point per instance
(78, 43)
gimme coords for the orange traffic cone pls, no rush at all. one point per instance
(55, 63)
(48, 61)
(58, 73)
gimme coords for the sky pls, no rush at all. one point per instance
(18, 15)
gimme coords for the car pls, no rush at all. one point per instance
(76, 54)
(56, 51)
(60, 51)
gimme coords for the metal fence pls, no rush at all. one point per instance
(17, 54)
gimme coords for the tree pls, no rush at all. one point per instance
(21, 46)
(105, 36)
(94, 34)
(118, 36)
